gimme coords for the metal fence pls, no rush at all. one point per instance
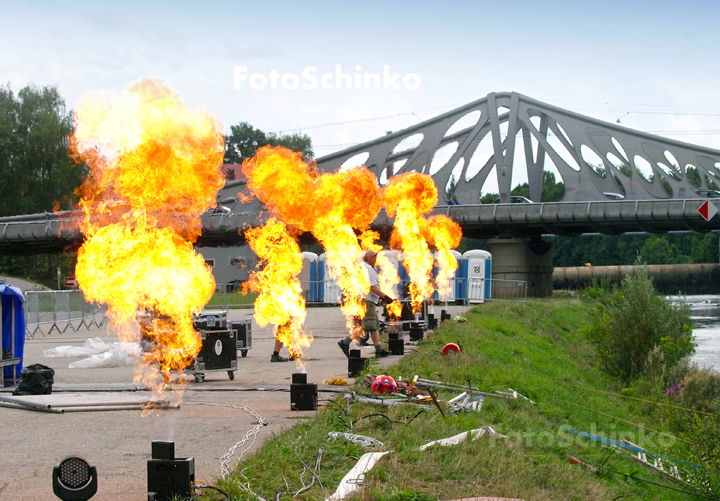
(231, 295)
(464, 290)
(48, 311)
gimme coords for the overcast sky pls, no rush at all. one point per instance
(657, 60)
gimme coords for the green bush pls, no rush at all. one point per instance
(632, 320)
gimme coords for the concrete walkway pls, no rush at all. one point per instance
(118, 442)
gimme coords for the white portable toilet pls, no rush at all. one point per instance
(308, 277)
(452, 295)
(329, 289)
(479, 265)
(394, 257)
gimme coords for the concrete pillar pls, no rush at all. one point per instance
(523, 259)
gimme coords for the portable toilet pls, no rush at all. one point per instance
(461, 277)
(329, 290)
(403, 274)
(308, 277)
(479, 264)
(394, 257)
(452, 295)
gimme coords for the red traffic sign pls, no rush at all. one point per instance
(707, 210)
(71, 282)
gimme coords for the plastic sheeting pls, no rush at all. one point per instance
(355, 477)
(100, 353)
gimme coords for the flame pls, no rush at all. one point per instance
(280, 299)
(154, 169)
(330, 206)
(445, 236)
(407, 197)
(387, 271)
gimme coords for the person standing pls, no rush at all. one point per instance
(276, 357)
(370, 322)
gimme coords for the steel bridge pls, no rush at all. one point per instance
(661, 182)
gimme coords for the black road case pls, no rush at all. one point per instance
(218, 353)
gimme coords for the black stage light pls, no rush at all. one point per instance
(74, 479)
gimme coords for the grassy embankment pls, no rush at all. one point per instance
(504, 345)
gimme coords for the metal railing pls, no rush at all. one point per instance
(472, 290)
(48, 311)
(478, 290)
(230, 295)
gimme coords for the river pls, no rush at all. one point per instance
(706, 316)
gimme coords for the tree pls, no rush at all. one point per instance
(552, 191)
(244, 140)
(36, 173)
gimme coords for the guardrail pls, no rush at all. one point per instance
(48, 311)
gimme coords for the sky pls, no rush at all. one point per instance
(655, 65)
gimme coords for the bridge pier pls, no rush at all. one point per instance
(524, 259)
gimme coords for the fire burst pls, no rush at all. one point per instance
(387, 271)
(280, 299)
(330, 206)
(155, 168)
(408, 197)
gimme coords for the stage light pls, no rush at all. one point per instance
(74, 479)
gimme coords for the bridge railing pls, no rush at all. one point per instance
(48, 311)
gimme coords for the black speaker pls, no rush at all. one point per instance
(303, 396)
(356, 364)
(169, 478)
(416, 333)
(397, 346)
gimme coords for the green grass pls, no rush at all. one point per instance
(503, 345)
(232, 300)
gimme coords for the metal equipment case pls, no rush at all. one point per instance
(219, 346)
(243, 332)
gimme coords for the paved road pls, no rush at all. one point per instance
(118, 442)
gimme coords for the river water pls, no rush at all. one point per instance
(706, 316)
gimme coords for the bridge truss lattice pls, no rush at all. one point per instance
(462, 148)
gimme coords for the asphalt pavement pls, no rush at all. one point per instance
(205, 426)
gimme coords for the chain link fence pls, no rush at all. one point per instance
(48, 311)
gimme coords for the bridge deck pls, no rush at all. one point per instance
(51, 232)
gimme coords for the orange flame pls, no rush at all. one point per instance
(407, 197)
(280, 299)
(155, 168)
(445, 236)
(387, 271)
(331, 206)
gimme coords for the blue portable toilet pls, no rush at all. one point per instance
(308, 277)
(13, 331)
(453, 294)
(330, 290)
(461, 278)
(479, 267)
(402, 273)
(393, 257)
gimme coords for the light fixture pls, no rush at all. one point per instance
(74, 479)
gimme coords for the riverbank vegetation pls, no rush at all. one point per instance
(559, 447)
